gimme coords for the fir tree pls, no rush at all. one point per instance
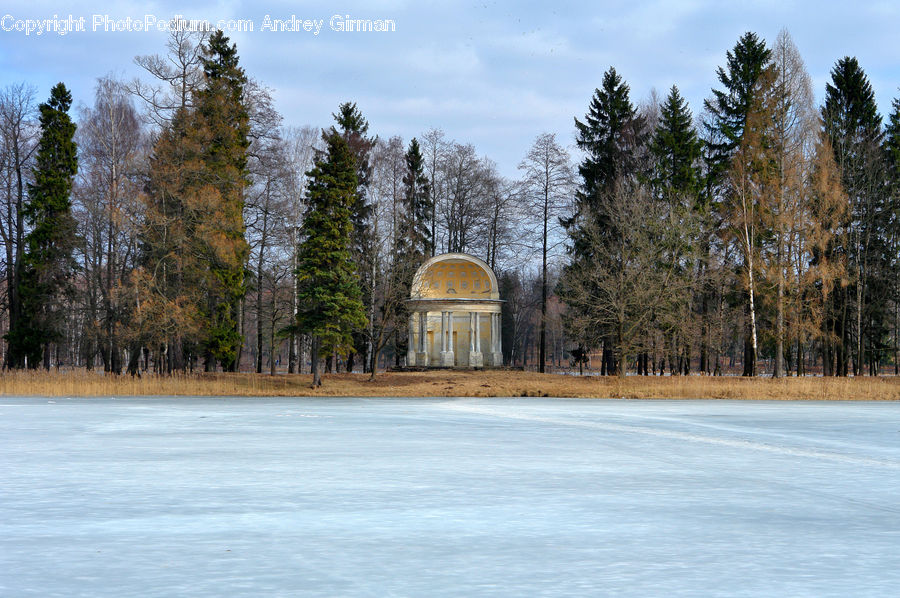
(45, 279)
(853, 126)
(892, 147)
(329, 297)
(728, 110)
(413, 240)
(851, 120)
(415, 234)
(676, 150)
(676, 181)
(892, 167)
(610, 136)
(353, 127)
(222, 124)
(729, 106)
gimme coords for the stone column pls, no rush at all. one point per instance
(422, 352)
(447, 359)
(478, 333)
(496, 352)
(500, 339)
(475, 358)
(411, 346)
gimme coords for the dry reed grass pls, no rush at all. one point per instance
(450, 383)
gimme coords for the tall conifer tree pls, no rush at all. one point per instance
(47, 269)
(728, 109)
(611, 136)
(676, 181)
(413, 239)
(853, 126)
(329, 297)
(415, 234)
(353, 128)
(223, 124)
(676, 150)
(892, 166)
(729, 106)
(172, 278)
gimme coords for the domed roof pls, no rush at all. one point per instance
(455, 276)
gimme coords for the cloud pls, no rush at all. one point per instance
(494, 74)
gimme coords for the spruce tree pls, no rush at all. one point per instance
(676, 181)
(728, 110)
(892, 166)
(47, 268)
(853, 126)
(413, 240)
(353, 127)
(611, 136)
(223, 126)
(415, 234)
(329, 296)
(729, 106)
(851, 121)
(676, 150)
(892, 145)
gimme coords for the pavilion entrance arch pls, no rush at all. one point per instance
(454, 314)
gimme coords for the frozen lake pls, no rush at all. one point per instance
(444, 497)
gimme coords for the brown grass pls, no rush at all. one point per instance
(451, 383)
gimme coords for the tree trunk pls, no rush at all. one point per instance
(292, 353)
(543, 351)
(779, 325)
(272, 322)
(314, 362)
(259, 318)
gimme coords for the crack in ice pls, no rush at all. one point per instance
(466, 407)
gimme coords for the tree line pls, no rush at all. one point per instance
(766, 229)
(182, 226)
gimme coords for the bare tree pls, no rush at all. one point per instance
(549, 184)
(177, 75)
(434, 148)
(502, 222)
(754, 184)
(18, 140)
(266, 206)
(466, 185)
(389, 170)
(520, 289)
(113, 151)
(267, 214)
(633, 277)
(300, 145)
(795, 125)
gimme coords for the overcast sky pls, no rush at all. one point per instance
(493, 74)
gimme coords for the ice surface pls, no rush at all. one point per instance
(437, 497)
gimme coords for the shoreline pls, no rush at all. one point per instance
(450, 383)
